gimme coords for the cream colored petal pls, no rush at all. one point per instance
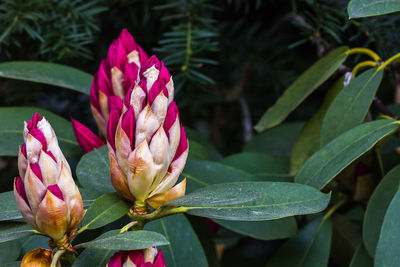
(141, 171)
(134, 57)
(33, 148)
(67, 185)
(170, 88)
(100, 121)
(174, 136)
(117, 78)
(34, 188)
(22, 164)
(122, 146)
(103, 99)
(146, 124)
(52, 216)
(149, 254)
(160, 199)
(24, 209)
(171, 178)
(57, 153)
(128, 263)
(26, 131)
(160, 107)
(49, 169)
(44, 126)
(76, 211)
(151, 75)
(137, 97)
(159, 148)
(118, 179)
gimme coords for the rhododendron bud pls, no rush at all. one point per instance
(45, 191)
(147, 143)
(116, 75)
(85, 137)
(148, 257)
(39, 257)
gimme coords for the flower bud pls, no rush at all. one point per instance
(85, 137)
(45, 191)
(147, 144)
(138, 258)
(39, 257)
(116, 75)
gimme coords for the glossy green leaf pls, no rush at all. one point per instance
(204, 173)
(261, 165)
(197, 151)
(302, 87)
(104, 210)
(351, 105)
(308, 141)
(184, 247)
(310, 248)
(9, 251)
(264, 230)
(93, 257)
(11, 264)
(376, 209)
(325, 164)
(47, 73)
(93, 172)
(388, 248)
(361, 258)
(11, 231)
(8, 207)
(131, 240)
(367, 8)
(276, 141)
(253, 201)
(12, 126)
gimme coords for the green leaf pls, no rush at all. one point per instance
(276, 141)
(12, 126)
(204, 173)
(361, 258)
(8, 207)
(47, 73)
(261, 165)
(253, 201)
(9, 251)
(376, 209)
(93, 257)
(351, 105)
(11, 264)
(367, 8)
(198, 151)
(302, 87)
(93, 172)
(264, 230)
(104, 210)
(12, 231)
(131, 240)
(308, 141)
(325, 164)
(310, 248)
(388, 248)
(184, 247)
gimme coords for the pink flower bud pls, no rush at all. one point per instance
(148, 257)
(116, 75)
(45, 191)
(147, 145)
(85, 137)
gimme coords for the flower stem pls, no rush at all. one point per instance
(360, 50)
(363, 65)
(56, 257)
(390, 60)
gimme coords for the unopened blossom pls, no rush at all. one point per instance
(148, 257)
(45, 191)
(85, 137)
(147, 144)
(116, 75)
(39, 257)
